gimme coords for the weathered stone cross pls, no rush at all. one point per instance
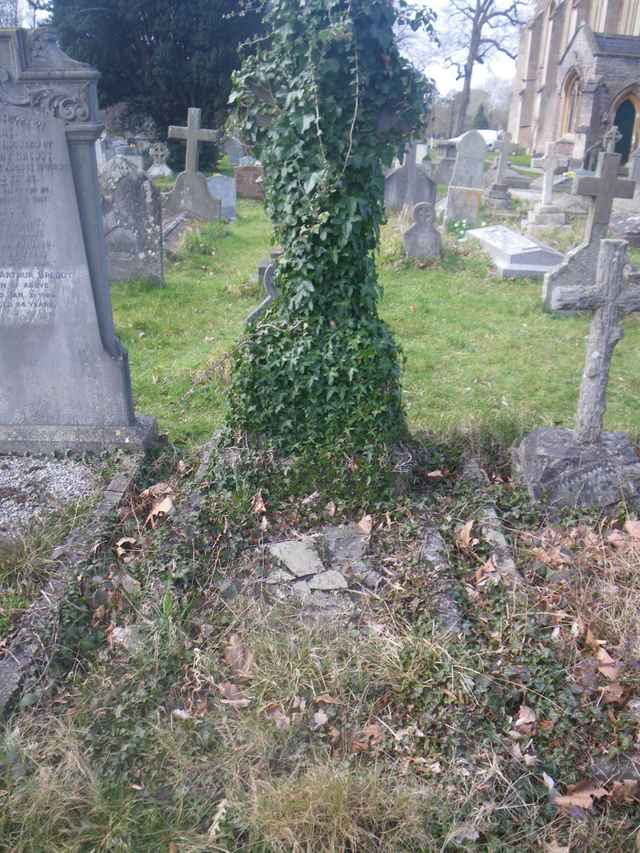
(193, 135)
(611, 300)
(602, 189)
(611, 139)
(505, 146)
(549, 163)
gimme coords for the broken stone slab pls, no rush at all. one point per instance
(328, 580)
(433, 551)
(346, 543)
(278, 576)
(298, 555)
(559, 470)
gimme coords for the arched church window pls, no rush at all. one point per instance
(571, 103)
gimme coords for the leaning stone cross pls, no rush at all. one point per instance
(611, 300)
(193, 135)
(269, 282)
(602, 189)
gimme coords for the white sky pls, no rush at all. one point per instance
(500, 65)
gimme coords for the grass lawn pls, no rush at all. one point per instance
(480, 353)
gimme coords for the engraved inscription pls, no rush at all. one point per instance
(28, 296)
(30, 163)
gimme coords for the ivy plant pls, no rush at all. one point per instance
(325, 101)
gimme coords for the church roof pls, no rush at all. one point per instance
(617, 45)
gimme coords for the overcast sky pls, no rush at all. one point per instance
(445, 77)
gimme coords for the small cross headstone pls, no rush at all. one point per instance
(546, 214)
(191, 194)
(587, 466)
(193, 134)
(601, 189)
(408, 184)
(422, 240)
(611, 139)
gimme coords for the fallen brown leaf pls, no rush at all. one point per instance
(258, 505)
(632, 527)
(239, 658)
(326, 699)
(580, 796)
(366, 524)
(613, 693)
(625, 791)
(607, 666)
(368, 738)
(274, 712)
(232, 695)
(526, 720)
(464, 539)
(160, 510)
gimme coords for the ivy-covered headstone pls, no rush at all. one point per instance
(325, 103)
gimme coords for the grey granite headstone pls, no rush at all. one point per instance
(223, 188)
(514, 255)
(65, 376)
(602, 188)
(159, 153)
(132, 223)
(469, 168)
(408, 184)
(588, 467)
(422, 240)
(190, 193)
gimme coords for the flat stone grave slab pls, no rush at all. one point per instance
(514, 255)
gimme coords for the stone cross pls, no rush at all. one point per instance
(549, 164)
(193, 135)
(159, 153)
(611, 139)
(610, 300)
(602, 189)
(505, 146)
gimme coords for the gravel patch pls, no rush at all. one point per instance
(31, 487)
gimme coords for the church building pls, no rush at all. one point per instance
(577, 74)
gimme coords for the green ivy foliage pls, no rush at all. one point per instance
(326, 101)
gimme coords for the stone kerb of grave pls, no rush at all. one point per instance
(515, 255)
(65, 376)
(422, 240)
(601, 189)
(132, 223)
(190, 193)
(588, 467)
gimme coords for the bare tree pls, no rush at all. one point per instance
(8, 13)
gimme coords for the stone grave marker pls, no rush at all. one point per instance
(546, 214)
(514, 255)
(159, 153)
(250, 182)
(132, 223)
(408, 184)
(634, 166)
(223, 188)
(422, 240)
(497, 195)
(581, 263)
(444, 168)
(469, 168)
(234, 149)
(65, 376)
(191, 194)
(588, 467)
(465, 190)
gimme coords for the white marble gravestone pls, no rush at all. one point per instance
(465, 190)
(514, 255)
(64, 375)
(159, 153)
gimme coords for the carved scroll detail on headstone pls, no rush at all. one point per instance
(55, 101)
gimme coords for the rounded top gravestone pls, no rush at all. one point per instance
(469, 168)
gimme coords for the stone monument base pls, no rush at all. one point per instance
(498, 197)
(559, 471)
(19, 440)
